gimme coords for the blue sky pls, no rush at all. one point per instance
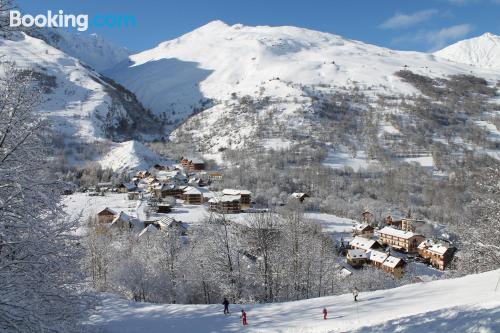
(399, 24)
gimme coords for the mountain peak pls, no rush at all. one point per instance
(482, 51)
(213, 25)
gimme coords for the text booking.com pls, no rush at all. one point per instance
(61, 20)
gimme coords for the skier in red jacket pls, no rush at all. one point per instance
(244, 317)
(325, 313)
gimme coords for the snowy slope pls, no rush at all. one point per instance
(93, 50)
(83, 106)
(482, 51)
(468, 304)
(131, 155)
(218, 62)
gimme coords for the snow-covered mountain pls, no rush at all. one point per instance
(213, 67)
(482, 51)
(83, 105)
(467, 304)
(93, 50)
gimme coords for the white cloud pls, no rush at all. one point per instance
(400, 20)
(437, 39)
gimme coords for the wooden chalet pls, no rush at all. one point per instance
(356, 257)
(395, 266)
(226, 204)
(438, 254)
(193, 164)
(377, 258)
(245, 196)
(192, 196)
(367, 217)
(363, 230)
(364, 244)
(106, 215)
(399, 239)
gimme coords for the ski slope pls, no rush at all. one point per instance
(467, 304)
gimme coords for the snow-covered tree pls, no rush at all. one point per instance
(40, 280)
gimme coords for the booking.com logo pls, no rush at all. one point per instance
(81, 22)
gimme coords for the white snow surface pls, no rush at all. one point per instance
(131, 155)
(482, 51)
(217, 59)
(92, 49)
(467, 304)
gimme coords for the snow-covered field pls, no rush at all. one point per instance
(468, 304)
(340, 160)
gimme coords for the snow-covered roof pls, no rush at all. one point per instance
(357, 254)
(392, 262)
(433, 246)
(107, 209)
(397, 233)
(192, 190)
(377, 256)
(148, 230)
(228, 191)
(298, 195)
(362, 227)
(225, 198)
(124, 217)
(363, 243)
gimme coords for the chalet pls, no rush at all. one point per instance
(193, 164)
(401, 240)
(149, 230)
(106, 215)
(356, 257)
(367, 217)
(364, 244)
(123, 221)
(394, 265)
(393, 222)
(439, 254)
(104, 186)
(163, 208)
(299, 196)
(226, 204)
(245, 196)
(136, 195)
(160, 191)
(377, 258)
(192, 196)
(173, 191)
(126, 187)
(214, 175)
(363, 230)
(143, 174)
(169, 224)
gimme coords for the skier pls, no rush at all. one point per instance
(226, 306)
(244, 317)
(325, 313)
(355, 293)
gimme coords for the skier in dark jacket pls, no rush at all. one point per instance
(226, 305)
(244, 317)
(355, 293)
(325, 314)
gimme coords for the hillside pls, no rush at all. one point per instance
(93, 50)
(83, 106)
(482, 51)
(467, 304)
(239, 86)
